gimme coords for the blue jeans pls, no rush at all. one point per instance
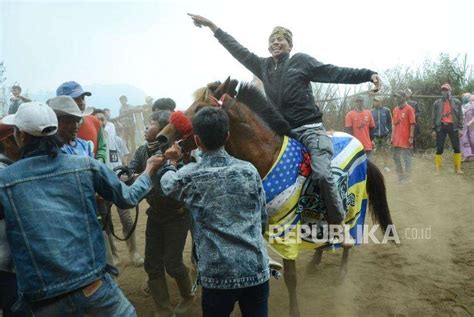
(107, 300)
(253, 301)
(405, 154)
(320, 147)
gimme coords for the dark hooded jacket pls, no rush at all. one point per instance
(287, 82)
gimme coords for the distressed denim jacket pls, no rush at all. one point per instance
(227, 204)
(51, 223)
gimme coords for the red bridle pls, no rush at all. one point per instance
(183, 124)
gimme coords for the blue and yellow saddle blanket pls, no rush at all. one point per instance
(293, 207)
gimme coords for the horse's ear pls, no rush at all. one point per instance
(232, 90)
(222, 89)
(226, 84)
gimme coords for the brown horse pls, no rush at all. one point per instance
(256, 135)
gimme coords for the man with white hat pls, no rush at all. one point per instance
(69, 122)
(90, 128)
(53, 231)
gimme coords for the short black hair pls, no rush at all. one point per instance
(16, 87)
(162, 117)
(164, 104)
(212, 127)
(96, 111)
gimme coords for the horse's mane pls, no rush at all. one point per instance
(252, 97)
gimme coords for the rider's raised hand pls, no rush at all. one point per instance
(375, 78)
(202, 21)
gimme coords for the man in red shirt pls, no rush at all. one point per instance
(403, 127)
(360, 123)
(447, 121)
(91, 129)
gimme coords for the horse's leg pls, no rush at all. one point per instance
(344, 261)
(289, 274)
(317, 257)
(315, 260)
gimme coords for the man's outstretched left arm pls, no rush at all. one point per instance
(327, 73)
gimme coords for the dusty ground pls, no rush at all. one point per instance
(430, 274)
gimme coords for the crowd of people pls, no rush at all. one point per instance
(58, 184)
(380, 130)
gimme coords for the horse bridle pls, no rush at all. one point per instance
(214, 102)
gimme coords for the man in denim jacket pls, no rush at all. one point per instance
(48, 201)
(227, 204)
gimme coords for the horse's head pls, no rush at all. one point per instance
(179, 129)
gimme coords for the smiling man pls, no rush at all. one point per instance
(287, 83)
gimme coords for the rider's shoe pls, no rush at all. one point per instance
(274, 265)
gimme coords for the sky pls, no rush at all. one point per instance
(154, 46)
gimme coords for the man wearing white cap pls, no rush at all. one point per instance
(90, 128)
(69, 122)
(53, 231)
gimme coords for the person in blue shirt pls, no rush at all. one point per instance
(47, 199)
(69, 120)
(381, 134)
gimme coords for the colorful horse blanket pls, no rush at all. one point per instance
(294, 205)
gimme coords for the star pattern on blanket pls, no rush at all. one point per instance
(286, 171)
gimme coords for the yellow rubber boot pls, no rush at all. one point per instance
(438, 161)
(457, 163)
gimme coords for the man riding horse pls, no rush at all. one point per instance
(287, 83)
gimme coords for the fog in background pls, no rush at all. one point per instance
(153, 48)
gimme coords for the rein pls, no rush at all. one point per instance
(107, 222)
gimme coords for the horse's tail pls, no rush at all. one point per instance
(377, 192)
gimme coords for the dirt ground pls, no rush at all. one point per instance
(431, 273)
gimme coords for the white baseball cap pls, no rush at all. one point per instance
(65, 105)
(34, 118)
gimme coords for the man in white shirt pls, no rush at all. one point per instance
(117, 150)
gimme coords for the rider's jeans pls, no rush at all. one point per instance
(319, 145)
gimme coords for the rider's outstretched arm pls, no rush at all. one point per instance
(250, 60)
